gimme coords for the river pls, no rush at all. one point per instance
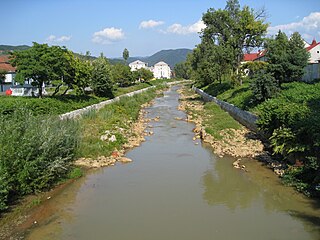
(177, 188)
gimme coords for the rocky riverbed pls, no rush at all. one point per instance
(239, 143)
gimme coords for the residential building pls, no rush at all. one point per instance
(161, 70)
(10, 73)
(134, 66)
(312, 71)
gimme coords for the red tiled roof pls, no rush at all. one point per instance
(5, 65)
(253, 56)
(312, 45)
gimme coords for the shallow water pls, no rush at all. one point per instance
(176, 188)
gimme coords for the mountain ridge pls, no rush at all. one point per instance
(170, 56)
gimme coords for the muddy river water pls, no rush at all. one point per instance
(175, 189)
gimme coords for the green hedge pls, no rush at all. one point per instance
(292, 121)
(48, 105)
(35, 153)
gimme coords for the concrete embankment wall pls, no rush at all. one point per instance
(80, 112)
(244, 117)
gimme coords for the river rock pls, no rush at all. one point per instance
(124, 160)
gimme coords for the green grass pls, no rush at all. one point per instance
(114, 119)
(217, 120)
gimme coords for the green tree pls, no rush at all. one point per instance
(122, 75)
(102, 83)
(278, 57)
(182, 70)
(40, 63)
(298, 57)
(125, 54)
(142, 75)
(234, 28)
(264, 86)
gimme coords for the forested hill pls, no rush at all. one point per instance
(5, 49)
(171, 57)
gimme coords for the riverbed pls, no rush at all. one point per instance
(177, 188)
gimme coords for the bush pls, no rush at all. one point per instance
(292, 122)
(36, 152)
(264, 86)
(48, 105)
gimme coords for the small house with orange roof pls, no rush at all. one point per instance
(10, 73)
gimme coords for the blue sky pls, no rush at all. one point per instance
(142, 26)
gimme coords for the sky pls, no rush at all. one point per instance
(144, 27)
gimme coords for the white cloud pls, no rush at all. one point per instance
(183, 30)
(55, 39)
(150, 24)
(309, 26)
(108, 35)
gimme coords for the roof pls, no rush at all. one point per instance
(137, 62)
(312, 45)
(5, 65)
(253, 56)
(161, 63)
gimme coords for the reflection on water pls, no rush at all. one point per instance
(175, 189)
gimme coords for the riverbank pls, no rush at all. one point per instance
(224, 134)
(114, 137)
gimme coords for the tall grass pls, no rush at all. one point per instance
(35, 152)
(114, 119)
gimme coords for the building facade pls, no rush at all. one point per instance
(161, 70)
(134, 66)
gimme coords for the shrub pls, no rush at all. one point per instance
(264, 86)
(292, 122)
(35, 153)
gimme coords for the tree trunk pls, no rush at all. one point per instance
(57, 90)
(64, 93)
(40, 89)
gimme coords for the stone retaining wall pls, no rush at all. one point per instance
(80, 112)
(97, 106)
(244, 117)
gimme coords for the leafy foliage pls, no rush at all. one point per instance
(102, 83)
(41, 63)
(122, 75)
(35, 153)
(47, 105)
(125, 54)
(264, 86)
(287, 58)
(292, 122)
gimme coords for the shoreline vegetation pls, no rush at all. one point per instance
(39, 151)
(103, 140)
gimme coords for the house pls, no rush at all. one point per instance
(161, 70)
(10, 73)
(312, 71)
(313, 68)
(134, 66)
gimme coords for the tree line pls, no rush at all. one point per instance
(58, 66)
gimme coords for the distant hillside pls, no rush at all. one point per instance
(5, 49)
(171, 57)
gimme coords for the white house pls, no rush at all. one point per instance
(314, 50)
(312, 71)
(161, 70)
(137, 65)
